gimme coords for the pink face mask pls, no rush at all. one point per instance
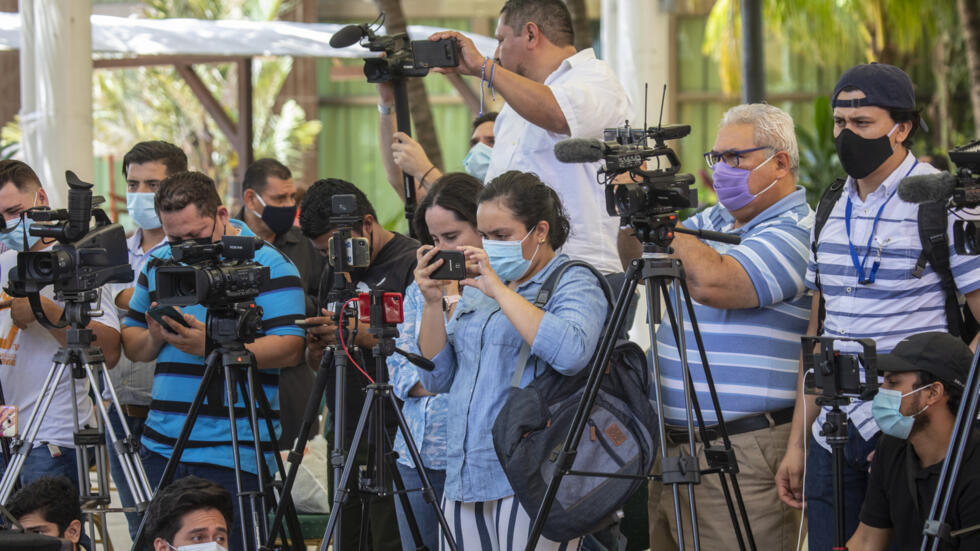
(732, 185)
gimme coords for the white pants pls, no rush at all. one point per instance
(500, 525)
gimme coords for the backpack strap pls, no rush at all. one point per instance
(826, 205)
(542, 298)
(933, 222)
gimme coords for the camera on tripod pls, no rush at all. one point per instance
(209, 280)
(403, 57)
(649, 202)
(85, 259)
(835, 375)
(355, 252)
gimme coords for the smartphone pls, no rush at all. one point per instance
(160, 312)
(8, 421)
(453, 265)
(435, 53)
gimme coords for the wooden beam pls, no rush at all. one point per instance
(144, 61)
(209, 102)
(243, 141)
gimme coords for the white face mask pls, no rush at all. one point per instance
(209, 546)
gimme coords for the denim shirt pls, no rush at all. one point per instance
(476, 365)
(425, 415)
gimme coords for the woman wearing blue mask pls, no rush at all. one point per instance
(445, 219)
(522, 223)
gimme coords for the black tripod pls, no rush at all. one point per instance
(379, 394)
(228, 328)
(83, 361)
(339, 297)
(936, 529)
(657, 271)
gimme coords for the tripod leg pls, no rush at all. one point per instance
(566, 457)
(178, 450)
(413, 451)
(24, 446)
(340, 494)
(237, 459)
(296, 455)
(339, 453)
(250, 397)
(401, 494)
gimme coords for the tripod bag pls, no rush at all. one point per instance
(530, 431)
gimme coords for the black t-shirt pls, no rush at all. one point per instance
(891, 502)
(393, 270)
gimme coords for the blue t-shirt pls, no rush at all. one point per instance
(178, 374)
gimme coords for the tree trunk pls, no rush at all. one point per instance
(969, 13)
(300, 85)
(580, 23)
(418, 99)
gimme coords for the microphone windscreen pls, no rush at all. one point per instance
(579, 150)
(926, 188)
(346, 36)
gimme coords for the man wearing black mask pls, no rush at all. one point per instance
(870, 279)
(391, 268)
(269, 196)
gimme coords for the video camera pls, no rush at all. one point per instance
(198, 275)
(649, 199)
(403, 57)
(84, 260)
(833, 375)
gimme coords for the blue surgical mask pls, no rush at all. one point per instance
(14, 239)
(885, 409)
(507, 259)
(141, 210)
(477, 161)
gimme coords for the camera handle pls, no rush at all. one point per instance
(403, 122)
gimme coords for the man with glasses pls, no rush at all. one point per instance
(751, 308)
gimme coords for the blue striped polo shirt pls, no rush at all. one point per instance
(897, 304)
(178, 374)
(753, 353)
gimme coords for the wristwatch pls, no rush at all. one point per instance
(385, 109)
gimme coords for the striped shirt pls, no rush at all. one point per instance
(178, 374)
(753, 353)
(897, 304)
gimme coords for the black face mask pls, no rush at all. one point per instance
(278, 219)
(197, 240)
(862, 156)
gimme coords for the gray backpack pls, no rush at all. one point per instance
(620, 438)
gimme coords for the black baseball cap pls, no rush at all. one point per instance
(944, 356)
(883, 86)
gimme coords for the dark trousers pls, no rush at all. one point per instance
(155, 464)
(115, 469)
(819, 488)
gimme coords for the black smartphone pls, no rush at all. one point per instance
(435, 53)
(453, 265)
(160, 312)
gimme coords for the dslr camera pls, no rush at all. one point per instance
(212, 274)
(84, 259)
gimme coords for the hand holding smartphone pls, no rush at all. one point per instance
(158, 313)
(453, 266)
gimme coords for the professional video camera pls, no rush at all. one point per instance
(199, 275)
(85, 259)
(403, 57)
(649, 201)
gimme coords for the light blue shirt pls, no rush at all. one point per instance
(425, 415)
(478, 361)
(753, 353)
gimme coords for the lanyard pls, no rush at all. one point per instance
(859, 265)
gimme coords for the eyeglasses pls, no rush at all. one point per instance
(731, 157)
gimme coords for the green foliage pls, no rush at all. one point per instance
(132, 105)
(819, 165)
(10, 138)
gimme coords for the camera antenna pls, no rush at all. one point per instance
(646, 104)
(663, 97)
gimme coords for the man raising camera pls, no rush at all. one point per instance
(190, 210)
(552, 93)
(27, 349)
(391, 268)
(916, 408)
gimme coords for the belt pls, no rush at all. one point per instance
(739, 426)
(132, 410)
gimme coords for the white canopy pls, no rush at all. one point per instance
(130, 37)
